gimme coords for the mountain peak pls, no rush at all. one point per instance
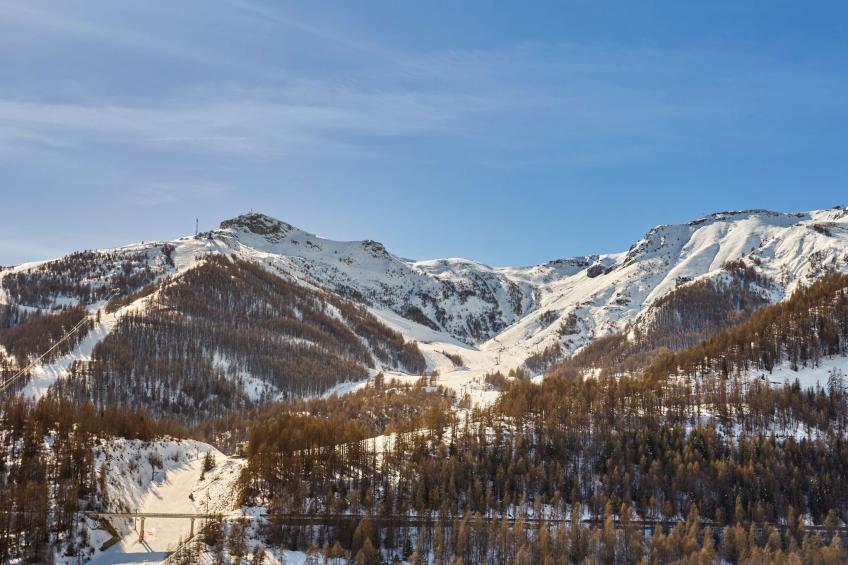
(259, 224)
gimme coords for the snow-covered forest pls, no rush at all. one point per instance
(312, 400)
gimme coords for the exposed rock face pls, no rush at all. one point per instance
(260, 224)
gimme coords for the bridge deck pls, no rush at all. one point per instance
(415, 521)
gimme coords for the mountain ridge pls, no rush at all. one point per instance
(495, 318)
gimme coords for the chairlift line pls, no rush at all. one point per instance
(5, 384)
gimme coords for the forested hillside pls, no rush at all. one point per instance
(676, 285)
(85, 277)
(607, 409)
(812, 324)
(25, 336)
(613, 452)
(229, 333)
(750, 467)
(48, 472)
(691, 316)
(691, 312)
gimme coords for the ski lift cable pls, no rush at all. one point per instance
(5, 384)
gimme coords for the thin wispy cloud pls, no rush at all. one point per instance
(439, 102)
(276, 16)
(174, 192)
(57, 20)
(134, 98)
(231, 125)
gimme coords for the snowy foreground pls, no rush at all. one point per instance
(165, 477)
(160, 477)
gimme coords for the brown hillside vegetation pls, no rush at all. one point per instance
(809, 325)
(604, 447)
(378, 407)
(694, 311)
(751, 461)
(228, 318)
(44, 483)
(84, 277)
(25, 336)
(679, 320)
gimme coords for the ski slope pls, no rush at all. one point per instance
(496, 317)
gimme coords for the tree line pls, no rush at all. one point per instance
(48, 471)
(84, 277)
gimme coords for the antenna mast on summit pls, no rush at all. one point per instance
(196, 224)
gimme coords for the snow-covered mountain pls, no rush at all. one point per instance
(787, 248)
(468, 300)
(493, 317)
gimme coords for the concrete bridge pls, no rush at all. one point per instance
(143, 515)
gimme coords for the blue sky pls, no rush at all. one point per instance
(508, 132)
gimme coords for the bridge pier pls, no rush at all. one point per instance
(141, 531)
(191, 531)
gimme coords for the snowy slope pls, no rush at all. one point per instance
(44, 375)
(163, 476)
(790, 249)
(468, 300)
(809, 376)
(495, 317)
